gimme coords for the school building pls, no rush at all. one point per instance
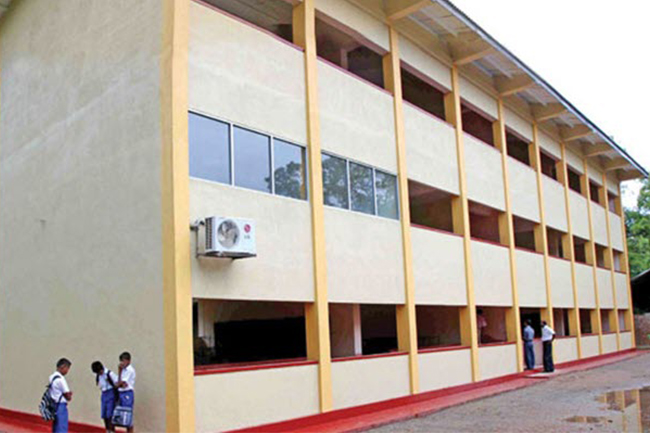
(398, 175)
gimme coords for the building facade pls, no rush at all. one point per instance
(417, 193)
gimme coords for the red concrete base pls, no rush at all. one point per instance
(14, 421)
(372, 415)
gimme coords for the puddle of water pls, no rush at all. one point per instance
(631, 407)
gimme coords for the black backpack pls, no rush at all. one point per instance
(48, 406)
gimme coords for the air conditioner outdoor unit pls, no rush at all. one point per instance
(229, 237)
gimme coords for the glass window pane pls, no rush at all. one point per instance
(289, 169)
(363, 197)
(209, 142)
(335, 182)
(252, 160)
(386, 185)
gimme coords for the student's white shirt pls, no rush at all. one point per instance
(104, 384)
(128, 376)
(547, 333)
(58, 388)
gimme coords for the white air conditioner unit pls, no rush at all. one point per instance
(229, 237)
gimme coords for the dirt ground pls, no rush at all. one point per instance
(606, 399)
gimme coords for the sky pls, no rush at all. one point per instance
(594, 52)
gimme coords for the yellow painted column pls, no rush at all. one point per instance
(572, 256)
(316, 313)
(406, 324)
(610, 253)
(592, 252)
(469, 332)
(508, 235)
(543, 237)
(177, 289)
(630, 311)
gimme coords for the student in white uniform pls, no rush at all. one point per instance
(61, 394)
(548, 335)
(126, 384)
(106, 380)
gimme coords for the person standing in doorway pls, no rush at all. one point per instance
(481, 324)
(529, 350)
(126, 384)
(61, 394)
(548, 335)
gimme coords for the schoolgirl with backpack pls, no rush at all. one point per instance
(106, 381)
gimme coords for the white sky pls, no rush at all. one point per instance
(594, 52)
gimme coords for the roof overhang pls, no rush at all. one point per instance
(444, 30)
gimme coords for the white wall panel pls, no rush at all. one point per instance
(484, 173)
(491, 266)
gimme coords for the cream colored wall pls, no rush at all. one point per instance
(440, 370)
(438, 268)
(595, 174)
(356, 118)
(518, 124)
(626, 340)
(411, 54)
(617, 231)
(600, 224)
(230, 401)
(523, 190)
(589, 346)
(585, 282)
(579, 215)
(356, 19)
(484, 173)
(495, 361)
(561, 284)
(550, 145)
(574, 161)
(364, 258)
(221, 75)
(364, 381)
(282, 270)
(605, 293)
(622, 300)
(531, 279)
(554, 204)
(609, 343)
(612, 183)
(80, 187)
(430, 150)
(478, 98)
(492, 284)
(565, 350)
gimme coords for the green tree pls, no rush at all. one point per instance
(637, 222)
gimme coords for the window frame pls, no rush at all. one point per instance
(271, 149)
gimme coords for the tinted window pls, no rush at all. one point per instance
(386, 186)
(289, 169)
(361, 190)
(209, 143)
(335, 182)
(252, 160)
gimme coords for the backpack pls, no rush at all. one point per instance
(116, 393)
(122, 416)
(48, 406)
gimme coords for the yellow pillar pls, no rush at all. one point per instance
(543, 235)
(610, 259)
(575, 320)
(316, 313)
(508, 235)
(177, 290)
(629, 315)
(406, 324)
(469, 332)
(592, 252)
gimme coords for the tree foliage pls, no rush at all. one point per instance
(637, 221)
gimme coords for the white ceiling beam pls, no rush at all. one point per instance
(398, 9)
(616, 164)
(575, 133)
(542, 113)
(598, 149)
(465, 55)
(511, 86)
(629, 175)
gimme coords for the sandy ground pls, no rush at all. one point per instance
(592, 400)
